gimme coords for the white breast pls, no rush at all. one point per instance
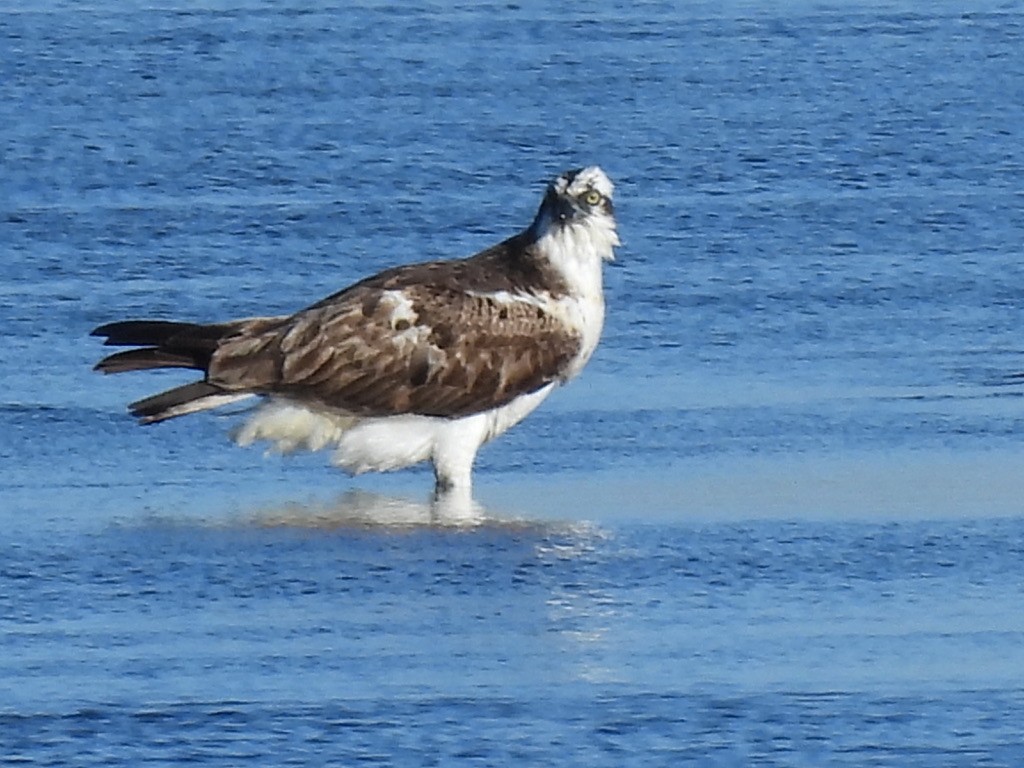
(577, 251)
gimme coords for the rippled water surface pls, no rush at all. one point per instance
(776, 522)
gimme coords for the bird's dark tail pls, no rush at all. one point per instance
(162, 344)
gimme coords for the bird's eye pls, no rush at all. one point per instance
(593, 197)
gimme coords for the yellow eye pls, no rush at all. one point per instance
(593, 197)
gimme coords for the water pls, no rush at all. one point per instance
(776, 522)
(762, 642)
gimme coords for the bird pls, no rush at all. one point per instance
(421, 362)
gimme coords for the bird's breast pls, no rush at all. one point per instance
(584, 317)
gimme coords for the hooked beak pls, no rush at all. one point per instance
(562, 207)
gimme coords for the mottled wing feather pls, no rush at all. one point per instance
(417, 348)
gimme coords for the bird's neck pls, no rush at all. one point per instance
(575, 251)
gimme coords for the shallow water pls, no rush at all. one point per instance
(764, 642)
(776, 522)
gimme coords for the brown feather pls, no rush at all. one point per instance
(145, 359)
(338, 356)
(460, 353)
(150, 409)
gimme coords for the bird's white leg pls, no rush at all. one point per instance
(453, 454)
(455, 506)
(453, 491)
(453, 472)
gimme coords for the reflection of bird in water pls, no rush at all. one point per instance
(360, 509)
(424, 362)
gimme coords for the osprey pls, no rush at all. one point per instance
(420, 362)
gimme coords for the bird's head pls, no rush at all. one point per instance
(577, 209)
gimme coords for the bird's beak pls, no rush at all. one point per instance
(563, 208)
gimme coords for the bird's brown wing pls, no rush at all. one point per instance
(384, 348)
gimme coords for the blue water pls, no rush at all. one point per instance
(776, 522)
